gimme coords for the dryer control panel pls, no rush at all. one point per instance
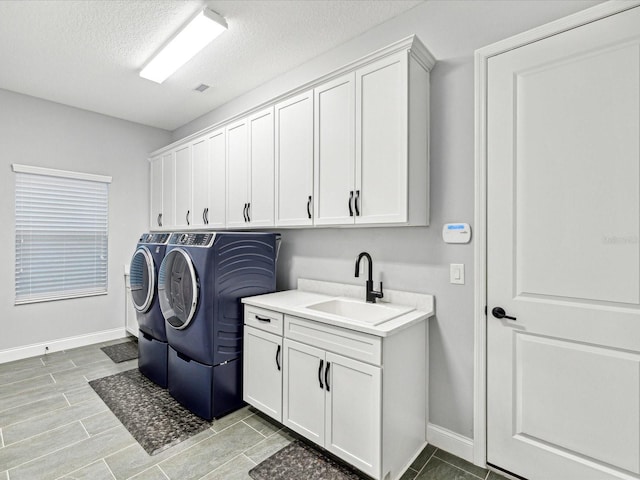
(154, 238)
(192, 239)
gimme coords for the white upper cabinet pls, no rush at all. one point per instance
(381, 181)
(260, 212)
(350, 149)
(216, 208)
(250, 169)
(368, 168)
(237, 173)
(162, 173)
(155, 207)
(208, 180)
(200, 181)
(183, 190)
(294, 160)
(334, 126)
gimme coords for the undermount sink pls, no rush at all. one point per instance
(369, 313)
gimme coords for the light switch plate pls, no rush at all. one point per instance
(456, 273)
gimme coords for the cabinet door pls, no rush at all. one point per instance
(294, 160)
(237, 173)
(382, 141)
(262, 371)
(155, 208)
(261, 185)
(334, 152)
(354, 412)
(303, 394)
(184, 215)
(168, 218)
(216, 212)
(200, 181)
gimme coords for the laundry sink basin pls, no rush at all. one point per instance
(369, 313)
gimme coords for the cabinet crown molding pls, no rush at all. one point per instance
(411, 44)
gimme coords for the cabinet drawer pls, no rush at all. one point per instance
(266, 320)
(352, 344)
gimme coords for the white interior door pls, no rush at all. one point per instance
(563, 376)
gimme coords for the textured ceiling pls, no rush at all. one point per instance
(87, 53)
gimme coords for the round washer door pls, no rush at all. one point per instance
(178, 289)
(142, 276)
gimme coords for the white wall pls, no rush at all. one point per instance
(416, 259)
(42, 133)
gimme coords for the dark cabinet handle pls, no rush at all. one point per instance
(355, 202)
(204, 216)
(277, 359)
(160, 220)
(320, 374)
(263, 319)
(207, 214)
(249, 212)
(188, 212)
(309, 206)
(499, 312)
(350, 201)
(326, 376)
(244, 212)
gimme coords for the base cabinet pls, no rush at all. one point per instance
(262, 371)
(328, 386)
(334, 401)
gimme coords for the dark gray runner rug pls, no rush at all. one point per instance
(121, 352)
(154, 418)
(299, 461)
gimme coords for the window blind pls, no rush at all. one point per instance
(61, 236)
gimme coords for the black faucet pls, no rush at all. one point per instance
(371, 293)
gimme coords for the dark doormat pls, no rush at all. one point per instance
(299, 461)
(154, 418)
(121, 352)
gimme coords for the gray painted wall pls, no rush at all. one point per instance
(416, 259)
(42, 133)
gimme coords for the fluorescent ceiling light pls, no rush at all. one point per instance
(197, 34)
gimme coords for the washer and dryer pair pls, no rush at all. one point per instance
(201, 280)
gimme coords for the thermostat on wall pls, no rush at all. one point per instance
(456, 233)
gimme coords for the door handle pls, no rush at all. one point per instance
(499, 312)
(320, 374)
(244, 212)
(249, 212)
(309, 206)
(326, 376)
(188, 211)
(350, 201)
(355, 203)
(159, 219)
(277, 359)
(204, 216)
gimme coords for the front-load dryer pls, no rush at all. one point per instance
(152, 338)
(202, 279)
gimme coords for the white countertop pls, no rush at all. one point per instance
(295, 302)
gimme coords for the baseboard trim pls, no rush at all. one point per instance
(33, 350)
(451, 442)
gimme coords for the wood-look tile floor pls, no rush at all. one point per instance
(54, 426)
